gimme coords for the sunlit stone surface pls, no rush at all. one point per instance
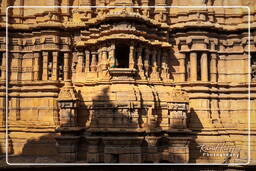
(128, 85)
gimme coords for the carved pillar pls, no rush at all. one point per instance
(87, 61)
(36, 67)
(112, 60)
(3, 74)
(182, 66)
(94, 62)
(67, 101)
(19, 64)
(193, 66)
(165, 69)
(213, 67)
(131, 56)
(154, 75)
(45, 66)
(159, 61)
(100, 61)
(104, 58)
(204, 67)
(140, 64)
(80, 62)
(67, 142)
(146, 62)
(66, 66)
(154, 64)
(55, 66)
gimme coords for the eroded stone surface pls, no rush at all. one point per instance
(128, 84)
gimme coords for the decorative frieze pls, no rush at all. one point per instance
(123, 106)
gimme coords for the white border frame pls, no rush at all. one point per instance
(79, 164)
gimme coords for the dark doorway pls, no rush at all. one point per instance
(122, 56)
(114, 158)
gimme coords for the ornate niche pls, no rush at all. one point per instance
(67, 102)
(128, 50)
(67, 142)
(178, 109)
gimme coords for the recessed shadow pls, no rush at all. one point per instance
(196, 126)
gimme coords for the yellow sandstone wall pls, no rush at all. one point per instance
(218, 109)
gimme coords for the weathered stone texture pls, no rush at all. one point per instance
(128, 84)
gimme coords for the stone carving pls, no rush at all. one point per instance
(145, 81)
(67, 142)
(67, 101)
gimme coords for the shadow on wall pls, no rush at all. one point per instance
(111, 137)
(196, 125)
(121, 139)
(36, 150)
(173, 63)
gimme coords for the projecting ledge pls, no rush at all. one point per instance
(122, 74)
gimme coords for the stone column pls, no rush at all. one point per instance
(87, 61)
(204, 67)
(100, 61)
(36, 67)
(112, 60)
(80, 62)
(213, 67)
(140, 64)
(146, 62)
(19, 64)
(93, 64)
(131, 56)
(3, 74)
(104, 58)
(66, 66)
(165, 69)
(154, 64)
(182, 66)
(154, 75)
(159, 61)
(193, 66)
(45, 66)
(55, 66)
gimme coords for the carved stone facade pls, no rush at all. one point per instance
(128, 85)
